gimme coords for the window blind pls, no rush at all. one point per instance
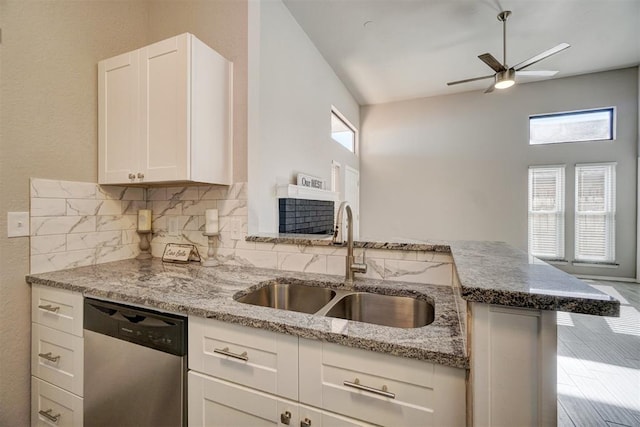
(595, 212)
(546, 211)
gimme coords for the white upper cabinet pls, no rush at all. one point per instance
(165, 115)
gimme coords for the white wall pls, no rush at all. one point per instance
(455, 167)
(289, 131)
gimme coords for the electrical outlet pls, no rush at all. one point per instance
(17, 224)
(172, 225)
(236, 228)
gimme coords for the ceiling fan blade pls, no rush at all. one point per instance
(470, 80)
(540, 73)
(492, 62)
(541, 56)
(490, 88)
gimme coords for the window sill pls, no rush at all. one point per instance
(595, 264)
(556, 261)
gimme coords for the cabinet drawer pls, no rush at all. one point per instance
(57, 357)
(252, 357)
(52, 406)
(57, 308)
(213, 402)
(379, 388)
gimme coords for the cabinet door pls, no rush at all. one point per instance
(214, 402)
(165, 89)
(118, 118)
(314, 417)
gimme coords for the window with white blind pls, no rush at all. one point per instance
(595, 212)
(546, 211)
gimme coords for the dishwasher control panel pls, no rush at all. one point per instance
(160, 331)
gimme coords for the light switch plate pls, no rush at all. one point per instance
(17, 224)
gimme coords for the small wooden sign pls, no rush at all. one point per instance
(181, 253)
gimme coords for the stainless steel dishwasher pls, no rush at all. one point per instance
(134, 366)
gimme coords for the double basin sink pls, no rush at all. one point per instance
(386, 310)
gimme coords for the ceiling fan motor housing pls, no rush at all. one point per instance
(505, 79)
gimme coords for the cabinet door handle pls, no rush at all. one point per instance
(382, 392)
(132, 176)
(225, 351)
(285, 418)
(49, 357)
(49, 307)
(305, 423)
(47, 415)
(140, 175)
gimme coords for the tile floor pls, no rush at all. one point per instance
(599, 363)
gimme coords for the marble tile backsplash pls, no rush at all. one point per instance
(178, 215)
(75, 224)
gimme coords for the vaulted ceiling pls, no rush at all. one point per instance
(389, 50)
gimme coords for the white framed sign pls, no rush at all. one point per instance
(182, 253)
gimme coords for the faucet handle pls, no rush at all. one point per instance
(360, 267)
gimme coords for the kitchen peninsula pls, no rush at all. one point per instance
(496, 322)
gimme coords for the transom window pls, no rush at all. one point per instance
(574, 126)
(343, 132)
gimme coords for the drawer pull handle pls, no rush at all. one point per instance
(285, 418)
(49, 307)
(384, 392)
(305, 423)
(49, 357)
(47, 415)
(225, 351)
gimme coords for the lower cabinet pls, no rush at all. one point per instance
(242, 376)
(57, 357)
(218, 403)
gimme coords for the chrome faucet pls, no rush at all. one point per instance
(351, 266)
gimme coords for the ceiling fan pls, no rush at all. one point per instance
(504, 76)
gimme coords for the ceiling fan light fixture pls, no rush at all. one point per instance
(505, 79)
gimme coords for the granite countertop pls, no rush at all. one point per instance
(488, 272)
(208, 292)
(496, 273)
(492, 273)
(327, 240)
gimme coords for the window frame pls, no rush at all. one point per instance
(612, 124)
(609, 216)
(347, 123)
(559, 213)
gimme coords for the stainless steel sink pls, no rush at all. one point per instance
(287, 296)
(386, 310)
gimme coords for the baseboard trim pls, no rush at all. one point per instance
(608, 278)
